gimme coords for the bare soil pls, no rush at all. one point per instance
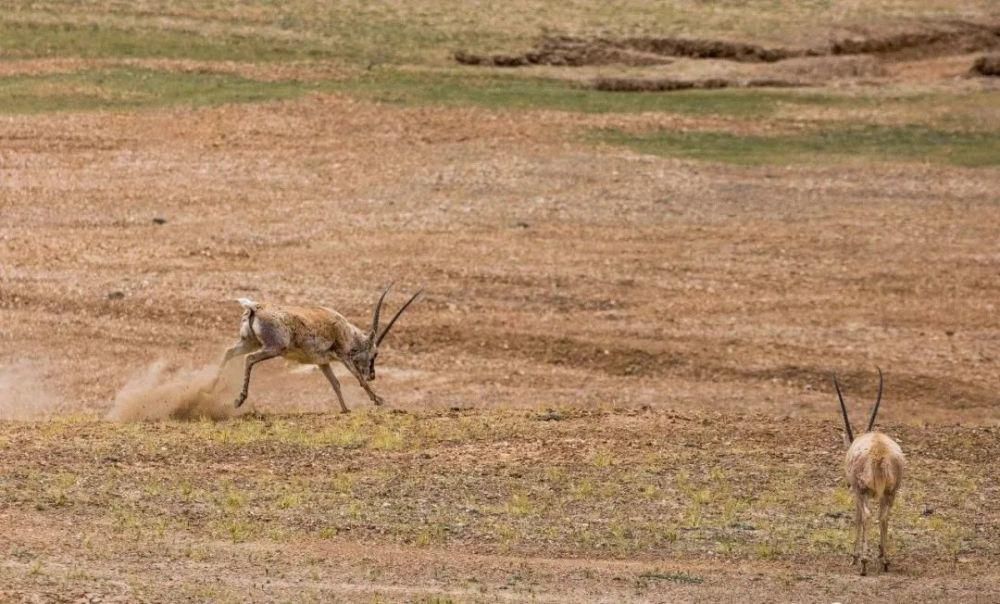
(616, 388)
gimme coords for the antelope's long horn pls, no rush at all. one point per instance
(378, 309)
(871, 420)
(843, 409)
(398, 312)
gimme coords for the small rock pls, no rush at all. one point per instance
(987, 65)
(159, 220)
(116, 295)
(551, 416)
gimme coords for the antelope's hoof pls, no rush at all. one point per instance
(239, 402)
(379, 401)
(864, 567)
(345, 410)
(885, 566)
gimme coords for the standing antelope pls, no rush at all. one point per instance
(874, 465)
(313, 335)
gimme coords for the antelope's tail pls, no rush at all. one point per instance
(246, 322)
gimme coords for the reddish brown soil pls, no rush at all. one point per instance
(554, 273)
(559, 275)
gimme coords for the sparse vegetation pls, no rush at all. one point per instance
(96, 40)
(390, 489)
(133, 88)
(613, 386)
(844, 144)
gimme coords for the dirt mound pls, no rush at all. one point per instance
(669, 84)
(573, 51)
(569, 52)
(712, 49)
(935, 39)
(987, 65)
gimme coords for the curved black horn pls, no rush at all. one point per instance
(843, 409)
(398, 312)
(871, 420)
(378, 309)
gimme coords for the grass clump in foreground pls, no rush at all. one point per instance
(434, 479)
(681, 577)
(884, 143)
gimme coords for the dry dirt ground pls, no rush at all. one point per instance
(615, 388)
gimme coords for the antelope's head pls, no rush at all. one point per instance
(849, 434)
(364, 354)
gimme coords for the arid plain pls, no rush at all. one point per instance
(616, 386)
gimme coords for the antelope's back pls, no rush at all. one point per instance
(874, 464)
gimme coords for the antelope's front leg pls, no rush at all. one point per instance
(371, 393)
(328, 372)
(364, 384)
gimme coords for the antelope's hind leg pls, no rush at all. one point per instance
(251, 360)
(328, 372)
(274, 342)
(861, 538)
(856, 555)
(883, 520)
(240, 348)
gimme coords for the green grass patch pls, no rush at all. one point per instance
(516, 91)
(128, 88)
(21, 40)
(879, 143)
(503, 91)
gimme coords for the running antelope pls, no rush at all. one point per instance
(313, 335)
(874, 465)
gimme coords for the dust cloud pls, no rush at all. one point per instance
(24, 394)
(159, 392)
